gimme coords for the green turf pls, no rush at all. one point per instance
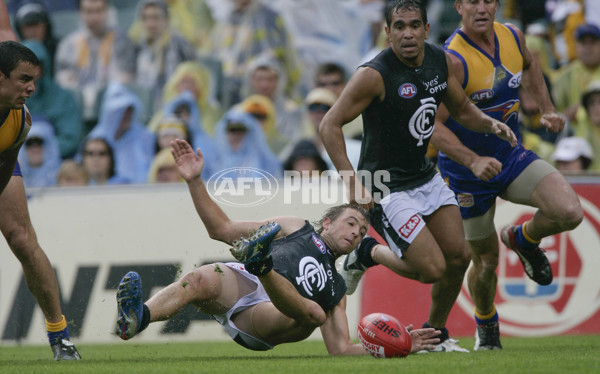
(563, 354)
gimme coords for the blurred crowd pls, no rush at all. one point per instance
(248, 82)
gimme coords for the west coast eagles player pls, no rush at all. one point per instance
(491, 61)
(19, 68)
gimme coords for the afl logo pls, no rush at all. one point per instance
(407, 90)
(572, 299)
(312, 275)
(319, 243)
(482, 95)
(242, 186)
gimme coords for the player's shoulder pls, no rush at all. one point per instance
(289, 224)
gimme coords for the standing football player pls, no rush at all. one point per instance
(19, 68)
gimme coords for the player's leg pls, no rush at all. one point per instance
(16, 227)
(445, 225)
(558, 206)
(482, 238)
(213, 289)
(559, 209)
(482, 279)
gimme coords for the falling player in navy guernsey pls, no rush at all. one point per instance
(284, 288)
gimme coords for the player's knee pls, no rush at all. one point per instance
(22, 243)
(487, 261)
(203, 283)
(433, 272)
(572, 216)
(462, 259)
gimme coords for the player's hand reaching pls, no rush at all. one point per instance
(553, 122)
(504, 132)
(485, 168)
(188, 162)
(423, 339)
(358, 194)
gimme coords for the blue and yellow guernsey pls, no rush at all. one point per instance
(491, 83)
(14, 128)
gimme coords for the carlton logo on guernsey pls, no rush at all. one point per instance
(14, 128)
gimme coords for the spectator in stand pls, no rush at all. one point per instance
(538, 43)
(564, 16)
(184, 107)
(241, 142)
(163, 168)
(40, 156)
(332, 76)
(98, 160)
(89, 58)
(588, 121)
(306, 159)
(264, 77)
(194, 77)
(158, 49)
(191, 19)
(56, 104)
(253, 30)
(572, 80)
(72, 174)
(262, 108)
(325, 29)
(32, 21)
(132, 143)
(170, 128)
(318, 102)
(573, 155)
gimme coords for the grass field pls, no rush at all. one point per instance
(564, 354)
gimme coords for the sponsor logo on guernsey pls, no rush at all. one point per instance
(407, 90)
(465, 200)
(434, 86)
(319, 243)
(407, 229)
(515, 81)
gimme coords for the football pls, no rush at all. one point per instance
(383, 336)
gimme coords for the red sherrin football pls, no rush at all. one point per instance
(384, 336)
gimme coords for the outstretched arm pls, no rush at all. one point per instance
(218, 224)
(337, 336)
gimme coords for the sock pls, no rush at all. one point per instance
(57, 331)
(145, 319)
(482, 319)
(444, 336)
(260, 268)
(524, 240)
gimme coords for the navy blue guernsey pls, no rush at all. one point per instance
(304, 259)
(398, 129)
